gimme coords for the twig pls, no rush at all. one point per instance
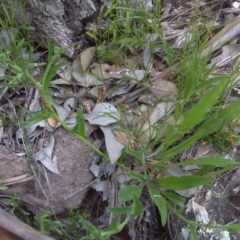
(18, 179)
(22, 230)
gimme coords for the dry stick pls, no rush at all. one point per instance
(22, 230)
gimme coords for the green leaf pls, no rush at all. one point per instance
(115, 222)
(205, 169)
(119, 210)
(136, 207)
(210, 82)
(180, 201)
(177, 111)
(182, 146)
(135, 175)
(89, 226)
(184, 182)
(125, 194)
(80, 124)
(193, 231)
(37, 117)
(159, 201)
(190, 84)
(172, 135)
(214, 161)
(92, 36)
(198, 112)
(50, 73)
(135, 154)
(221, 118)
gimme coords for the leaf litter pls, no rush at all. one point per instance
(119, 81)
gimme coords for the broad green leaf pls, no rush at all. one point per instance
(198, 112)
(182, 146)
(114, 228)
(119, 210)
(137, 176)
(177, 111)
(232, 227)
(136, 206)
(80, 124)
(159, 201)
(180, 201)
(115, 222)
(50, 73)
(221, 118)
(184, 182)
(135, 154)
(210, 82)
(134, 175)
(205, 169)
(193, 231)
(37, 117)
(214, 161)
(172, 135)
(190, 84)
(89, 226)
(125, 194)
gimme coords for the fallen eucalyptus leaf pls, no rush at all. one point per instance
(77, 70)
(114, 147)
(86, 57)
(199, 211)
(102, 186)
(45, 156)
(162, 88)
(122, 177)
(136, 75)
(159, 111)
(65, 72)
(103, 114)
(101, 71)
(226, 34)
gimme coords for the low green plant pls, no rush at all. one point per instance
(2, 185)
(16, 206)
(46, 225)
(198, 114)
(121, 30)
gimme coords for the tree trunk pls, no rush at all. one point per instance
(63, 21)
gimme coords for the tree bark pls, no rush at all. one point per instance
(62, 21)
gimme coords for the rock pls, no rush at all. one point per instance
(11, 164)
(74, 160)
(73, 164)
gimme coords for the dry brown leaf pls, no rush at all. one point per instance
(86, 57)
(162, 88)
(125, 140)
